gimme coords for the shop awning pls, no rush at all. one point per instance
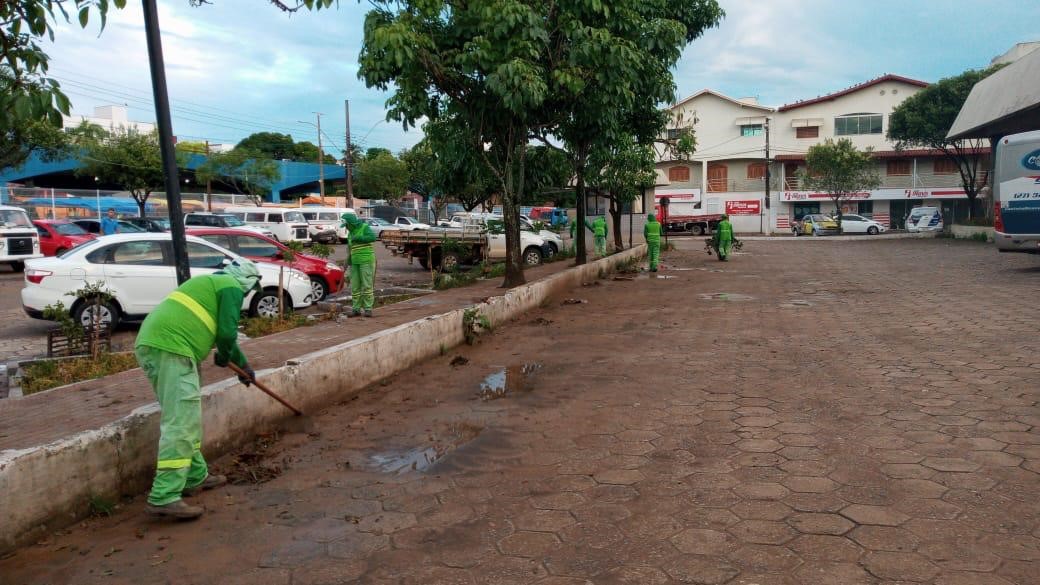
(751, 121)
(806, 122)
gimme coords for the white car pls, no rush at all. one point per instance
(378, 225)
(552, 238)
(137, 269)
(409, 224)
(201, 219)
(857, 224)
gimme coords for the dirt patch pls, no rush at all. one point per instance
(252, 465)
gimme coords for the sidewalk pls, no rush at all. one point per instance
(45, 417)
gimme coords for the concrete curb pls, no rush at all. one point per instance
(50, 486)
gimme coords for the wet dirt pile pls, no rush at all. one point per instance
(253, 465)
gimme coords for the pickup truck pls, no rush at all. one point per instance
(447, 248)
(698, 225)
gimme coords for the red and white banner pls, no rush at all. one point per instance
(881, 194)
(747, 207)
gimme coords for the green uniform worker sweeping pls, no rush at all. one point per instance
(362, 264)
(173, 341)
(652, 233)
(599, 234)
(724, 238)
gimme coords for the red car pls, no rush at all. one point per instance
(57, 235)
(326, 277)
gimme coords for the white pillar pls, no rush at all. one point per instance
(54, 214)
(97, 199)
(704, 177)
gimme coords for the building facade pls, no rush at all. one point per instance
(727, 173)
(111, 118)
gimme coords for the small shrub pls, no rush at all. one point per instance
(980, 237)
(44, 375)
(321, 250)
(261, 326)
(100, 507)
(474, 324)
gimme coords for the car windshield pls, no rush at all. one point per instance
(295, 217)
(161, 222)
(127, 227)
(69, 229)
(233, 220)
(14, 218)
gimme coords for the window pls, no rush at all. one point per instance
(751, 130)
(945, 166)
(756, 170)
(193, 220)
(222, 241)
(331, 216)
(857, 124)
(68, 229)
(673, 134)
(260, 248)
(807, 132)
(294, 217)
(43, 232)
(310, 215)
(899, 167)
(203, 256)
(255, 217)
(679, 174)
(147, 253)
(865, 208)
(274, 218)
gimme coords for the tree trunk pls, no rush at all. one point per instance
(141, 201)
(514, 169)
(615, 220)
(579, 206)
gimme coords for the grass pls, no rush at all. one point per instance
(459, 278)
(261, 326)
(44, 375)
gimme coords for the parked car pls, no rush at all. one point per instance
(378, 225)
(94, 226)
(551, 238)
(137, 270)
(326, 277)
(857, 224)
(815, 224)
(322, 219)
(19, 240)
(223, 220)
(924, 219)
(58, 236)
(150, 224)
(285, 224)
(409, 224)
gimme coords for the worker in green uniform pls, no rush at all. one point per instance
(652, 233)
(173, 341)
(362, 264)
(724, 238)
(599, 234)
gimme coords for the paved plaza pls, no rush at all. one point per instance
(812, 412)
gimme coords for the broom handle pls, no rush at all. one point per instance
(264, 389)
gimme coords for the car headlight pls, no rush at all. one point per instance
(333, 266)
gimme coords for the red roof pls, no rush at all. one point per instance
(854, 88)
(922, 152)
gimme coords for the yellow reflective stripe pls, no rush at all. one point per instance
(196, 309)
(173, 463)
(360, 246)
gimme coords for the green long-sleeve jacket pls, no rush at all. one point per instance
(201, 313)
(598, 227)
(361, 236)
(652, 231)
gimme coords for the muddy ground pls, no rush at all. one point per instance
(809, 413)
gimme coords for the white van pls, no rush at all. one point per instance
(323, 218)
(287, 224)
(924, 219)
(19, 240)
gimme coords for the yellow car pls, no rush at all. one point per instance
(816, 224)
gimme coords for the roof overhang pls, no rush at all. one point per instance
(1007, 102)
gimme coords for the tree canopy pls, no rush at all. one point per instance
(128, 159)
(383, 176)
(243, 170)
(840, 171)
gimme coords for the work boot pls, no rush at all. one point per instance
(368, 312)
(175, 509)
(211, 481)
(355, 313)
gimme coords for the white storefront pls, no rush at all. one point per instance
(887, 206)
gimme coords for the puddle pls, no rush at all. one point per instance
(795, 304)
(726, 297)
(710, 269)
(679, 269)
(422, 458)
(509, 380)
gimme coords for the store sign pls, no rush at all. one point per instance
(750, 207)
(880, 194)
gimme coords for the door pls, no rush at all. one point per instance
(718, 178)
(139, 273)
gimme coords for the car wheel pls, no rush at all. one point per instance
(18, 266)
(532, 256)
(553, 250)
(872, 230)
(449, 261)
(107, 313)
(265, 304)
(815, 232)
(697, 229)
(319, 290)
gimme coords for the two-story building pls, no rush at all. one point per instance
(727, 173)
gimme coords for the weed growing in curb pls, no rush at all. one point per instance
(474, 325)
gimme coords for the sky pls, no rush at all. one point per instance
(236, 67)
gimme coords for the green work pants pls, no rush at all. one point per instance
(653, 254)
(724, 247)
(175, 379)
(362, 285)
(601, 245)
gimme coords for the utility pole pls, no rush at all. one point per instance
(763, 212)
(209, 185)
(169, 156)
(348, 159)
(321, 162)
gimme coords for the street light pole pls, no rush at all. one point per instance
(169, 156)
(321, 162)
(348, 159)
(761, 212)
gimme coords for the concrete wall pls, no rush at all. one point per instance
(967, 231)
(48, 487)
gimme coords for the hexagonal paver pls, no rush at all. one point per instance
(386, 522)
(826, 573)
(762, 531)
(918, 488)
(899, 566)
(592, 535)
(544, 520)
(758, 558)
(816, 485)
(528, 544)
(560, 501)
(950, 464)
(815, 502)
(358, 545)
(698, 541)
(637, 436)
(761, 491)
(758, 445)
(619, 476)
(817, 547)
(757, 421)
(758, 460)
(907, 471)
(701, 570)
(877, 515)
(810, 523)
(972, 579)
(886, 538)
(957, 557)
(761, 510)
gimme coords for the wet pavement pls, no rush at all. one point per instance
(887, 432)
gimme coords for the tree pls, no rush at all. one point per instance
(622, 172)
(460, 172)
(270, 145)
(375, 151)
(924, 119)
(308, 152)
(549, 174)
(189, 147)
(243, 170)
(128, 159)
(381, 177)
(840, 171)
